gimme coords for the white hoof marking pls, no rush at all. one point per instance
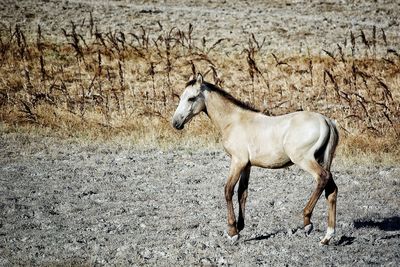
(232, 239)
(308, 228)
(330, 233)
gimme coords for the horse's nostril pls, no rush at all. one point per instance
(177, 125)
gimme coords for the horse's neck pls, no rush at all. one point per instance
(221, 111)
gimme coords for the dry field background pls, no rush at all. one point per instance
(117, 68)
(92, 173)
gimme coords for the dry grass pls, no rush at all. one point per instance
(107, 84)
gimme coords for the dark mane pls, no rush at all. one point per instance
(228, 96)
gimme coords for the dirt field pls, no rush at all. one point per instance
(81, 203)
(71, 203)
(289, 26)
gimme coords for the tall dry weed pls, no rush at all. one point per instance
(129, 83)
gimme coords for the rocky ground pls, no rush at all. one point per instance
(288, 26)
(73, 203)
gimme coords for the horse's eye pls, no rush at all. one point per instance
(192, 99)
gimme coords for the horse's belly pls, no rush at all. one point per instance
(271, 160)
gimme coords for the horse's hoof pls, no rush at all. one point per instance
(308, 228)
(330, 233)
(324, 242)
(232, 239)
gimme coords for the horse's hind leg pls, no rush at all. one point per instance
(242, 195)
(331, 195)
(322, 177)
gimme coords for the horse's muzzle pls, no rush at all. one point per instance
(178, 125)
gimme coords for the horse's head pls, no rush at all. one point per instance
(191, 103)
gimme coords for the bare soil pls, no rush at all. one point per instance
(288, 26)
(75, 203)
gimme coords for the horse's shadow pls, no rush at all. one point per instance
(385, 224)
(260, 237)
(263, 237)
(344, 240)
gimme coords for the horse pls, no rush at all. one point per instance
(251, 138)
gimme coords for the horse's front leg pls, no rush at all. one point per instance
(237, 167)
(242, 195)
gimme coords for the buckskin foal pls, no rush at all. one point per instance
(253, 139)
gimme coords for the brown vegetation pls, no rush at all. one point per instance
(104, 84)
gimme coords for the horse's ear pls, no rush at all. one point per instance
(199, 78)
(191, 77)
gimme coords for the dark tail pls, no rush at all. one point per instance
(330, 148)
